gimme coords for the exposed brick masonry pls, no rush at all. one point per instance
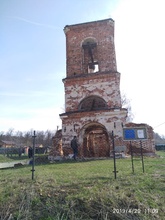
(92, 93)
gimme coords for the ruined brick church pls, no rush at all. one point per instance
(93, 106)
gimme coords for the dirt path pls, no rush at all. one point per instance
(11, 164)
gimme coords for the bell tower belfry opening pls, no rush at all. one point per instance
(92, 89)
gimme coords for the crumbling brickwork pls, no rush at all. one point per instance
(92, 90)
(57, 144)
(148, 144)
(105, 85)
(99, 32)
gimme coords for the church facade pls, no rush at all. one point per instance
(92, 90)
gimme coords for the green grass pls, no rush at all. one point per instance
(85, 190)
(4, 159)
(161, 153)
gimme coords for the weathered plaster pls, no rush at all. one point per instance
(94, 127)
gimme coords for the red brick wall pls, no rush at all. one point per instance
(80, 84)
(103, 34)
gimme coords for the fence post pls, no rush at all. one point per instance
(33, 155)
(114, 156)
(142, 155)
(132, 157)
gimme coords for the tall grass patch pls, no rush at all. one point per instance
(84, 190)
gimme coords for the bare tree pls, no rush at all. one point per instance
(2, 134)
(48, 137)
(28, 137)
(9, 134)
(126, 103)
(25, 138)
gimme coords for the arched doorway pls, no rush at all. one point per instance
(95, 141)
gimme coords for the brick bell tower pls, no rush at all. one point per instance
(92, 89)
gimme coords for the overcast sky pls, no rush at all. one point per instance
(33, 58)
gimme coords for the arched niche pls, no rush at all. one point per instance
(92, 103)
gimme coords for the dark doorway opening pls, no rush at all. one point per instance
(96, 141)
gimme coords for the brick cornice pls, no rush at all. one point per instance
(114, 111)
(66, 28)
(91, 76)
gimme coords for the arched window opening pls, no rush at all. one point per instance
(92, 103)
(90, 55)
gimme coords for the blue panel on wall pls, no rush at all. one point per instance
(129, 134)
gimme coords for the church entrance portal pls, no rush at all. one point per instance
(96, 141)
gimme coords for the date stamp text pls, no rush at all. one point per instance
(135, 211)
